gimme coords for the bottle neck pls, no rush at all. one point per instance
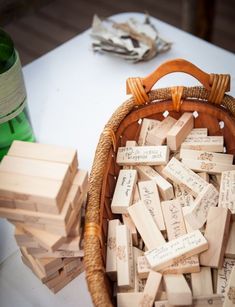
(7, 52)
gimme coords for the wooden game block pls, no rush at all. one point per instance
(181, 174)
(136, 195)
(217, 232)
(175, 250)
(223, 275)
(131, 143)
(230, 247)
(197, 215)
(182, 195)
(139, 283)
(204, 176)
(180, 130)
(206, 156)
(146, 226)
(198, 132)
(43, 253)
(24, 240)
(123, 194)
(129, 223)
(205, 143)
(146, 126)
(159, 170)
(227, 195)
(72, 265)
(81, 180)
(148, 173)
(177, 289)
(213, 300)
(229, 299)
(150, 198)
(151, 289)
(202, 282)
(143, 155)
(44, 152)
(50, 193)
(49, 265)
(143, 267)
(128, 299)
(72, 243)
(209, 167)
(157, 136)
(124, 253)
(111, 262)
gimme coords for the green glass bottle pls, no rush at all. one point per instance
(14, 119)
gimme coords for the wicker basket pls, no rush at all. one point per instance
(212, 105)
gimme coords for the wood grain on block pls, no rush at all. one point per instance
(143, 267)
(206, 143)
(136, 195)
(128, 299)
(111, 263)
(146, 226)
(197, 215)
(148, 173)
(202, 282)
(223, 275)
(49, 265)
(139, 284)
(24, 240)
(47, 240)
(44, 152)
(146, 126)
(157, 136)
(175, 250)
(227, 191)
(180, 130)
(72, 243)
(151, 289)
(217, 232)
(229, 299)
(230, 247)
(33, 190)
(150, 198)
(198, 132)
(123, 194)
(143, 155)
(72, 265)
(213, 300)
(175, 228)
(209, 167)
(204, 176)
(181, 174)
(81, 180)
(177, 289)
(206, 156)
(125, 261)
(130, 224)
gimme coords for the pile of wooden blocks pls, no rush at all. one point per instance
(173, 242)
(43, 193)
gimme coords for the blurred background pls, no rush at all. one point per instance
(37, 26)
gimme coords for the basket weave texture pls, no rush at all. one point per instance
(123, 126)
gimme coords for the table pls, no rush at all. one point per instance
(72, 93)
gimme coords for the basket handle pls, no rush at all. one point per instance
(216, 84)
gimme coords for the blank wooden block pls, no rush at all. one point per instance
(204, 176)
(143, 155)
(227, 195)
(130, 224)
(148, 173)
(181, 174)
(217, 232)
(151, 289)
(230, 247)
(229, 300)
(150, 198)
(44, 152)
(224, 275)
(202, 282)
(177, 289)
(171, 252)
(206, 156)
(180, 130)
(206, 143)
(214, 300)
(146, 126)
(124, 253)
(197, 214)
(157, 136)
(146, 226)
(123, 194)
(111, 262)
(128, 299)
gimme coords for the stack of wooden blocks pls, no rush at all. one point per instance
(43, 193)
(173, 243)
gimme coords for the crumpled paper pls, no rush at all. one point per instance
(133, 40)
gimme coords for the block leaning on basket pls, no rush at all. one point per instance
(123, 126)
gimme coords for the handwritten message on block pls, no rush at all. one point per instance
(209, 167)
(123, 194)
(197, 214)
(206, 156)
(143, 155)
(224, 274)
(207, 143)
(227, 191)
(146, 126)
(198, 132)
(181, 174)
(183, 247)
